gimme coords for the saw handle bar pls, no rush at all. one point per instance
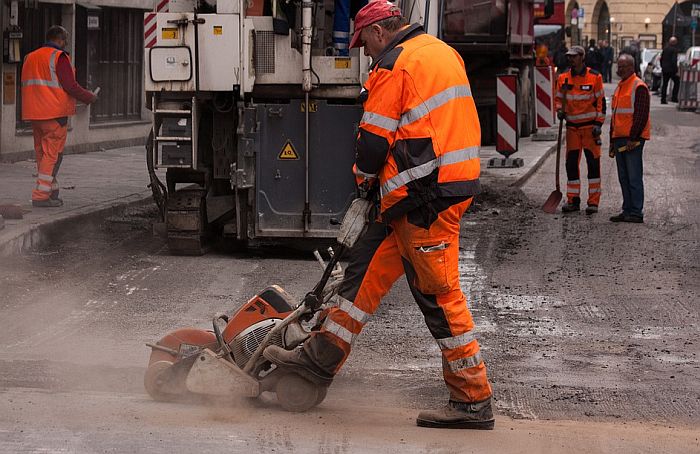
(219, 337)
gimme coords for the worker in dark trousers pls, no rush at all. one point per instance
(630, 128)
(669, 70)
(580, 99)
(49, 92)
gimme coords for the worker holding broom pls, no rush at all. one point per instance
(580, 100)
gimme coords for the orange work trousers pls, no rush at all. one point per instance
(429, 257)
(49, 141)
(581, 140)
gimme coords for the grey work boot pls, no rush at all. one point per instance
(459, 415)
(298, 361)
(48, 203)
(592, 209)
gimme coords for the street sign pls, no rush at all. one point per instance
(580, 12)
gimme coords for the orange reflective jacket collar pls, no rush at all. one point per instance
(411, 31)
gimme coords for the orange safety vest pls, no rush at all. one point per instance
(43, 98)
(623, 108)
(420, 125)
(585, 97)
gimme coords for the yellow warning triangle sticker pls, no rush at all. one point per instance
(288, 151)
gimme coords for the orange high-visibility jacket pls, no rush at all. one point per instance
(43, 98)
(585, 97)
(420, 132)
(623, 108)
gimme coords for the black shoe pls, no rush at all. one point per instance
(674, 100)
(459, 415)
(618, 218)
(633, 219)
(663, 101)
(570, 208)
(298, 361)
(591, 209)
(48, 203)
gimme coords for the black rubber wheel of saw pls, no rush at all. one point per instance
(159, 382)
(296, 394)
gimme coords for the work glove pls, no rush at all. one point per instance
(560, 114)
(597, 131)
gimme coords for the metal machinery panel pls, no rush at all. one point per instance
(219, 59)
(178, 61)
(281, 182)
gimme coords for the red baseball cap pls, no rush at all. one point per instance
(372, 12)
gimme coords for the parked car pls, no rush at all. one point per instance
(692, 56)
(647, 56)
(652, 73)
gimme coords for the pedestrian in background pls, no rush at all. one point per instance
(633, 49)
(49, 92)
(580, 99)
(607, 52)
(560, 59)
(630, 128)
(418, 141)
(669, 70)
(594, 58)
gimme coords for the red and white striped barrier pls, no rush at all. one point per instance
(689, 91)
(544, 104)
(507, 114)
(150, 25)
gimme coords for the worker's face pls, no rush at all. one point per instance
(625, 68)
(374, 40)
(575, 61)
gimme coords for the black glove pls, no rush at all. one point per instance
(597, 131)
(560, 114)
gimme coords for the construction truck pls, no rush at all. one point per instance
(256, 106)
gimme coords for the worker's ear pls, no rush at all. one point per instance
(377, 31)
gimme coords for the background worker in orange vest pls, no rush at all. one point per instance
(49, 91)
(419, 142)
(580, 99)
(629, 129)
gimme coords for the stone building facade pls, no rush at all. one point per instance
(619, 21)
(106, 47)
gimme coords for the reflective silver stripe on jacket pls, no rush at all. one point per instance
(465, 363)
(456, 341)
(582, 116)
(43, 176)
(580, 97)
(435, 101)
(343, 333)
(423, 170)
(353, 311)
(380, 121)
(53, 83)
(360, 173)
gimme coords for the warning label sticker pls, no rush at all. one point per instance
(288, 152)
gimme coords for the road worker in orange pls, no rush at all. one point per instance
(49, 91)
(419, 143)
(580, 99)
(630, 128)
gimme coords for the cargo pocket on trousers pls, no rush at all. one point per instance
(429, 259)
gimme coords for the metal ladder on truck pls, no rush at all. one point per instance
(175, 131)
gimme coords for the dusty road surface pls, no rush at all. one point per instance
(589, 329)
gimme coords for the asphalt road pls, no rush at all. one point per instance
(589, 330)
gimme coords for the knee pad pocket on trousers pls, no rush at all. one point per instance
(430, 259)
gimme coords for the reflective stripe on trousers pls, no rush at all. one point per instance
(429, 259)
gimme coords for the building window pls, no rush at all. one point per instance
(34, 22)
(117, 65)
(647, 41)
